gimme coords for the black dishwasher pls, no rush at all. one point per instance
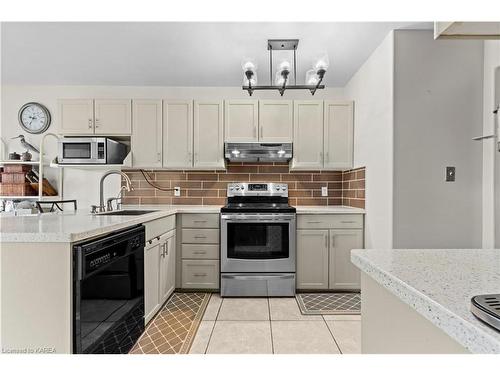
(108, 292)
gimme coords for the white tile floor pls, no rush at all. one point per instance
(273, 325)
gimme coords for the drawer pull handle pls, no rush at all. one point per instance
(200, 274)
(199, 221)
(200, 236)
(200, 252)
(314, 222)
(348, 221)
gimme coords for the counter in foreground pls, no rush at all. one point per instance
(418, 301)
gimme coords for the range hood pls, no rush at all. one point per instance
(258, 152)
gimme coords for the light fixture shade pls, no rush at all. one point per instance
(321, 62)
(279, 79)
(311, 78)
(253, 80)
(249, 64)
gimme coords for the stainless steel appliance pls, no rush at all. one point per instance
(108, 292)
(258, 253)
(486, 307)
(258, 152)
(90, 150)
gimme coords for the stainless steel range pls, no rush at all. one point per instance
(257, 241)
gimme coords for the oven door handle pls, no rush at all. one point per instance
(265, 218)
(257, 277)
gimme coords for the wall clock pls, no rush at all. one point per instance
(34, 118)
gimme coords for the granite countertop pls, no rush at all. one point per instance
(77, 226)
(329, 210)
(439, 284)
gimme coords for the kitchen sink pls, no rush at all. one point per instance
(127, 212)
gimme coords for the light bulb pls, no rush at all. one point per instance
(321, 62)
(311, 78)
(284, 65)
(249, 65)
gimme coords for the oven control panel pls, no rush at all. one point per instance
(257, 189)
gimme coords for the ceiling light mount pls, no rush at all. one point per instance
(314, 77)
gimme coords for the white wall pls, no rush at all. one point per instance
(490, 153)
(371, 88)
(438, 89)
(83, 184)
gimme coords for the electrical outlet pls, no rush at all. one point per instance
(450, 174)
(324, 191)
(177, 191)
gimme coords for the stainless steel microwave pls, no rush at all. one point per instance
(91, 150)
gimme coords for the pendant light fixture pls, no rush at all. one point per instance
(314, 76)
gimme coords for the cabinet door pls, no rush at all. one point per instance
(275, 120)
(167, 267)
(146, 133)
(307, 135)
(169, 285)
(113, 116)
(208, 134)
(343, 274)
(241, 120)
(338, 135)
(312, 259)
(178, 134)
(76, 116)
(151, 280)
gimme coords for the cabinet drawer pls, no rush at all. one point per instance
(340, 221)
(200, 236)
(157, 227)
(200, 274)
(195, 251)
(200, 220)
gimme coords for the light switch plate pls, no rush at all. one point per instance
(324, 191)
(450, 174)
(177, 191)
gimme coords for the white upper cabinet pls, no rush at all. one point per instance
(241, 120)
(147, 133)
(76, 116)
(307, 135)
(275, 121)
(208, 134)
(113, 116)
(338, 135)
(177, 134)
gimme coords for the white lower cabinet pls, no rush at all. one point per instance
(312, 259)
(159, 266)
(199, 264)
(151, 279)
(324, 255)
(342, 273)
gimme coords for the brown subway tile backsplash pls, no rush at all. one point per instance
(209, 187)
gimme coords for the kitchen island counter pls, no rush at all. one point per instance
(436, 285)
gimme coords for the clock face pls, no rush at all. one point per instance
(34, 118)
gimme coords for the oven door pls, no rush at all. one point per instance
(258, 242)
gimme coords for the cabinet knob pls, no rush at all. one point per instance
(90, 123)
(96, 122)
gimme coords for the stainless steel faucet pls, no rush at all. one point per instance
(128, 186)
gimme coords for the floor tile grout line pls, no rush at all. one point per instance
(270, 325)
(215, 322)
(333, 336)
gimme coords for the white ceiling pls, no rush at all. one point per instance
(177, 54)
